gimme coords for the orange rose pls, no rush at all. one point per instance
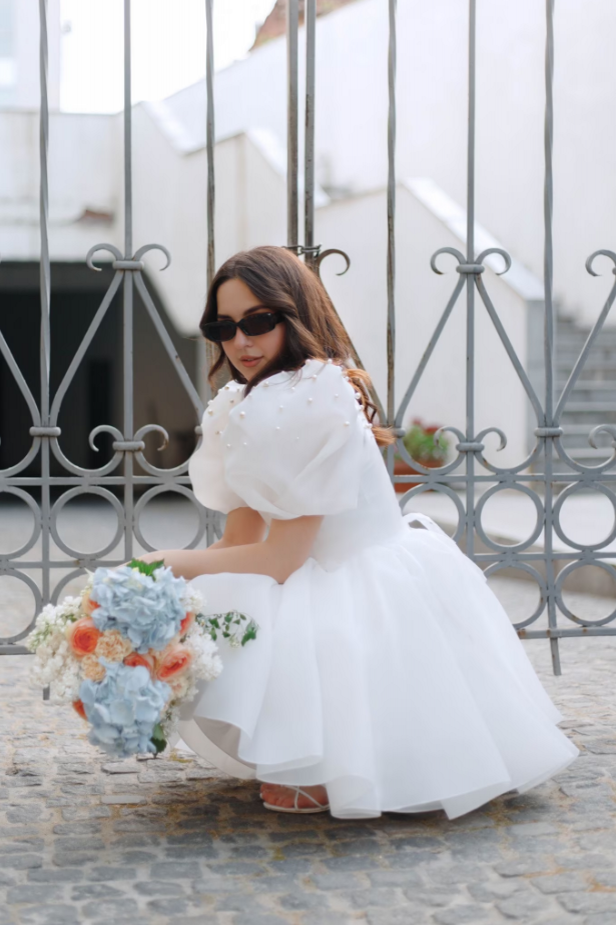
(173, 662)
(79, 708)
(186, 623)
(135, 659)
(83, 636)
(88, 605)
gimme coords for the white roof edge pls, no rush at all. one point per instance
(264, 140)
(443, 207)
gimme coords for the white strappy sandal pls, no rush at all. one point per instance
(317, 808)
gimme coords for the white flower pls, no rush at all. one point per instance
(192, 600)
(207, 665)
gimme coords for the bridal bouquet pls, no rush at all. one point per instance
(128, 653)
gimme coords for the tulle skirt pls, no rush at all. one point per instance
(396, 680)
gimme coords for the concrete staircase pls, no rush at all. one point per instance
(593, 399)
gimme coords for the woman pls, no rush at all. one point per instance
(385, 675)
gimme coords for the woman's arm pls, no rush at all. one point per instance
(243, 526)
(286, 548)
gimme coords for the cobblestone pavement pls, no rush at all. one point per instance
(171, 840)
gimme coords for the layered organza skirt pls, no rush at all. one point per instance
(396, 680)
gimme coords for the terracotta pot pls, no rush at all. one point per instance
(402, 468)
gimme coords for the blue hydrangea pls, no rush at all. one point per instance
(146, 609)
(124, 708)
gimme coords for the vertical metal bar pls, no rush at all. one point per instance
(128, 422)
(45, 295)
(292, 123)
(210, 140)
(470, 280)
(45, 267)
(548, 264)
(205, 348)
(391, 229)
(548, 261)
(311, 22)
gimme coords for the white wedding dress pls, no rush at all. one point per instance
(384, 667)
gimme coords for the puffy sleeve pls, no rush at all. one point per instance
(294, 446)
(206, 466)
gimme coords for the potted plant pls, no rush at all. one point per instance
(425, 446)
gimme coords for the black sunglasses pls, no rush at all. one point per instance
(252, 326)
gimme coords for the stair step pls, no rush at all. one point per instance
(595, 407)
(590, 385)
(575, 430)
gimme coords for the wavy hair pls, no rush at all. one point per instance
(313, 330)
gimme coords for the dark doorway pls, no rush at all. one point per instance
(95, 395)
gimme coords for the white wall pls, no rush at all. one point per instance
(84, 174)
(171, 196)
(432, 111)
(357, 226)
(26, 46)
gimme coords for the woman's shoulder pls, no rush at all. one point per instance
(304, 404)
(316, 378)
(224, 401)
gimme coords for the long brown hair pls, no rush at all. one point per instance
(313, 330)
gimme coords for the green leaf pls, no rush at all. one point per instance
(146, 568)
(158, 739)
(251, 632)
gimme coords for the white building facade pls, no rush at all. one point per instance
(170, 178)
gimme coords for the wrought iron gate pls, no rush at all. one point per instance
(547, 468)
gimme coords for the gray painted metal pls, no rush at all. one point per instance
(292, 124)
(548, 467)
(128, 444)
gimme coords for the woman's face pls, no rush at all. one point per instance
(248, 354)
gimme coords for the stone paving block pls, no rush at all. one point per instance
(526, 867)
(21, 845)
(50, 875)
(22, 861)
(75, 858)
(377, 896)
(171, 907)
(103, 873)
(352, 862)
(77, 828)
(524, 906)
(497, 889)
(585, 861)
(335, 880)
(212, 885)
(408, 915)
(589, 903)
(34, 893)
(304, 901)
(452, 873)
(174, 870)
(435, 898)
(6, 879)
(71, 813)
(80, 843)
(48, 914)
(151, 888)
(561, 883)
(251, 918)
(117, 799)
(461, 915)
(237, 868)
(111, 909)
(239, 902)
(95, 891)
